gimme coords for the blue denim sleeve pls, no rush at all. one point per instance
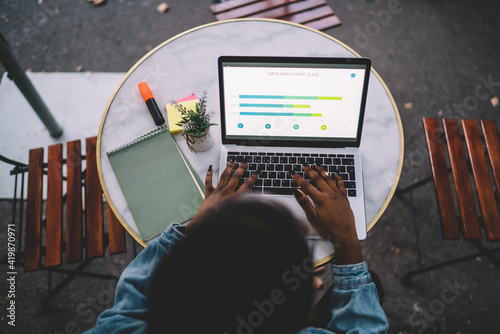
(128, 312)
(354, 303)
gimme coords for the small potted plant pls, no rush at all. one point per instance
(196, 125)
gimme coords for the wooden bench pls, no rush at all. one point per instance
(84, 237)
(312, 13)
(464, 151)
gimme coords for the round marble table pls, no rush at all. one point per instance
(187, 63)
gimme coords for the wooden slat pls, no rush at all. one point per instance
(95, 230)
(325, 23)
(116, 233)
(492, 140)
(463, 186)
(442, 183)
(228, 5)
(53, 230)
(32, 242)
(314, 13)
(310, 15)
(482, 179)
(74, 202)
(253, 9)
(291, 11)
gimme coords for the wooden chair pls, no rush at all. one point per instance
(470, 220)
(84, 231)
(312, 13)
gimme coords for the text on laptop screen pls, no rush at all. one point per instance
(293, 102)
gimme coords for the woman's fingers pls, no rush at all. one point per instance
(209, 187)
(316, 178)
(228, 182)
(340, 185)
(235, 179)
(335, 182)
(305, 186)
(305, 204)
(310, 211)
(326, 176)
(248, 184)
(225, 175)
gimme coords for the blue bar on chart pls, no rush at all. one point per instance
(258, 113)
(272, 105)
(292, 97)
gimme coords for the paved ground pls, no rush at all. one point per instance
(436, 56)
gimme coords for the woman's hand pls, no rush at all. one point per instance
(330, 212)
(225, 190)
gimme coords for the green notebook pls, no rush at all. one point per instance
(158, 183)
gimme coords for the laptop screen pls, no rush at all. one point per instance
(289, 101)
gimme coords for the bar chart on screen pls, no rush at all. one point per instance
(292, 101)
(276, 98)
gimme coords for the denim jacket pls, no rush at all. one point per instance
(354, 305)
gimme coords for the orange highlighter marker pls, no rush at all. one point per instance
(151, 103)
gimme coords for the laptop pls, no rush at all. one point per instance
(278, 113)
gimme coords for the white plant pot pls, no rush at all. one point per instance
(199, 143)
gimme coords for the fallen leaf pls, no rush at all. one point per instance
(96, 3)
(162, 8)
(494, 101)
(409, 105)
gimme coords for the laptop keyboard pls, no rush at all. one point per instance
(275, 177)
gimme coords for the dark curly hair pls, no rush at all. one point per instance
(246, 269)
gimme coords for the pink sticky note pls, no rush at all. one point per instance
(188, 98)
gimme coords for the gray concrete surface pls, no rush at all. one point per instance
(436, 55)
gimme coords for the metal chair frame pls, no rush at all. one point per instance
(482, 249)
